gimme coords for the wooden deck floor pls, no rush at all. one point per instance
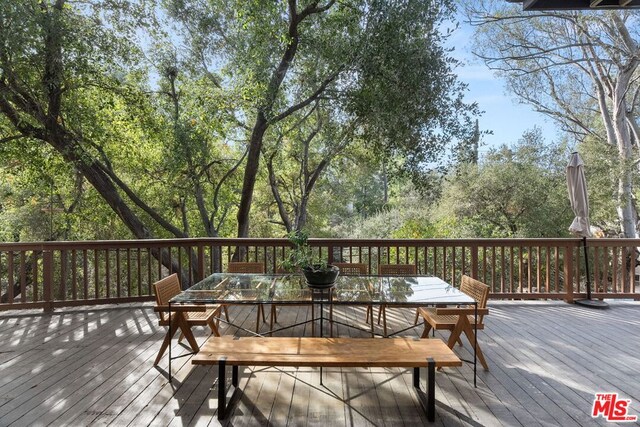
(94, 367)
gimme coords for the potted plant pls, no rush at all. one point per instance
(317, 274)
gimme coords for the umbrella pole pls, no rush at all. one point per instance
(594, 303)
(586, 267)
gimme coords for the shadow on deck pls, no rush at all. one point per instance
(93, 366)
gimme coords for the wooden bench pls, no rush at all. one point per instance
(327, 352)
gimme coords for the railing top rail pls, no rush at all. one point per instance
(93, 244)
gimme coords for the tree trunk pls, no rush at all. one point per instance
(265, 117)
(273, 182)
(626, 208)
(250, 173)
(301, 215)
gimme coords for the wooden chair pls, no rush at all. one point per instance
(460, 319)
(391, 270)
(249, 267)
(246, 267)
(203, 315)
(353, 269)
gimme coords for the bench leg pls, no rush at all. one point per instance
(222, 382)
(431, 389)
(234, 375)
(222, 389)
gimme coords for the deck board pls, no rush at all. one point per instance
(93, 366)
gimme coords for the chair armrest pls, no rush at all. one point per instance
(461, 311)
(175, 308)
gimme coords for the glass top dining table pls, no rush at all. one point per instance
(235, 288)
(245, 288)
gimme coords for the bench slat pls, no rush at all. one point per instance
(327, 352)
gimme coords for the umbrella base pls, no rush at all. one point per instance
(593, 303)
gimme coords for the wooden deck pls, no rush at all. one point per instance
(94, 367)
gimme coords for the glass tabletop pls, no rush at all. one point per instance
(292, 289)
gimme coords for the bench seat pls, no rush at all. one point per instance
(327, 352)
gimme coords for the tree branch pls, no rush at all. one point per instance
(11, 138)
(308, 100)
(138, 202)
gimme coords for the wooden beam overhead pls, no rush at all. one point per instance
(576, 4)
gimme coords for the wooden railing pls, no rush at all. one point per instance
(52, 274)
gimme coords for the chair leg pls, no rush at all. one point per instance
(226, 312)
(369, 313)
(331, 320)
(463, 325)
(415, 321)
(214, 328)
(373, 334)
(188, 334)
(272, 319)
(468, 331)
(258, 314)
(384, 320)
(427, 328)
(382, 315)
(380, 310)
(167, 339)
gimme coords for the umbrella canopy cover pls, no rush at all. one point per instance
(577, 185)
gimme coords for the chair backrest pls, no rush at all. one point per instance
(165, 289)
(245, 267)
(476, 290)
(352, 268)
(397, 270)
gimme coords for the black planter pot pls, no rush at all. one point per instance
(321, 278)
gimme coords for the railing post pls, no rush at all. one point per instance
(568, 273)
(474, 261)
(330, 255)
(47, 280)
(201, 267)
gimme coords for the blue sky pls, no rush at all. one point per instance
(503, 115)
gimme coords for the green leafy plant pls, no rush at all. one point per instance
(301, 256)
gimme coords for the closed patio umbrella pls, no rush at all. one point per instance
(577, 186)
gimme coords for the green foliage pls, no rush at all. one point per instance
(602, 171)
(395, 82)
(301, 256)
(517, 191)
(579, 69)
(407, 215)
(170, 118)
(408, 96)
